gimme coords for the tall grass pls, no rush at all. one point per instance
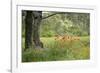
(57, 50)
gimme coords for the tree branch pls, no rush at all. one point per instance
(49, 16)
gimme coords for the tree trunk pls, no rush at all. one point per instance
(28, 29)
(32, 26)
(37, 16)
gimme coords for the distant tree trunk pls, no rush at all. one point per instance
(28, 29)
(37, 16)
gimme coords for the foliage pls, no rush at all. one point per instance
(65, 23)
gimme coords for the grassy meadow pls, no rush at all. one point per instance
(59, 50)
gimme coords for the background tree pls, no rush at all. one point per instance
(65, 23)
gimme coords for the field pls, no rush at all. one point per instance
(55, 36)
(57, 50)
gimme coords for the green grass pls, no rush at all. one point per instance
(57, 50)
